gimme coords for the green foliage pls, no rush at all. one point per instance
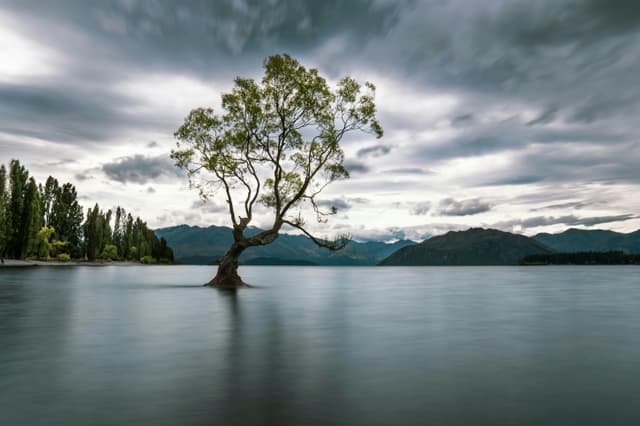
(44, 246)
(110, 252)
(32, 219)
(134, 240)
(117, 236)
(148, 260)
(276, 143)
(66, 216)
(4, 212)
(59, 247)
(97, 232)
(164, 252)
(18, 178)
(47, 221)
(63, 257)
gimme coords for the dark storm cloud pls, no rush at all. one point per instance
(550, 85)
(354, 166)
(62, 162)
(344, 203)
(408, 171)
(504, 45)
(571, 65)
(338, 203)
(201, 34)
(96, 46)
(65, 114)
(588, 21)
(512, 135)
(545, 117)
(82, 176)
(421, 209)
(577, 205)
(208, 206)
(374, 151)
(462, 120)
(451, 207)
(140, 169)
(514, 180)
(470, 146)
(569, 220)
(574, 55)
(569, 163)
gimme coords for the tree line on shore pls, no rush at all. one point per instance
(46, 221)
(583, 258)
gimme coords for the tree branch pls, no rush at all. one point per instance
(229, 199)
(335, 245)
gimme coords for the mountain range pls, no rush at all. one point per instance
(475, 246)
(205, 245)
(576, 240)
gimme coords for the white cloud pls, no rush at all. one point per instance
(22, 58)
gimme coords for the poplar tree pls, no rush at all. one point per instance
(32, 220)
(95, 229)
(18, 179)
(49, 193)
(66, 217)
(4, 211)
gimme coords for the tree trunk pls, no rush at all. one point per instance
(227, 275)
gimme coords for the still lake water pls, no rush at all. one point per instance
(320, 346)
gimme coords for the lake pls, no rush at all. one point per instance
(320, 346)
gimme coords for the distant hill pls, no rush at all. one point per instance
(581, 240)
(202, 246)
(277, 261)
(475, 246)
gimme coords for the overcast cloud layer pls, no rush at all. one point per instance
(520, 115)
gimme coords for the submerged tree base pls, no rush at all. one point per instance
(227, 281)
(227, 286)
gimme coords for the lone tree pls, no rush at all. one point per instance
(277, 145)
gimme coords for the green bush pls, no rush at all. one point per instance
(147, 260)
(44, 246)
(133, 253)
(63, 257)
(59, 247)
(110, 252)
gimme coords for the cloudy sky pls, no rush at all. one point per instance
(518, 115)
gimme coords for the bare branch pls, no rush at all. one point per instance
(335, 245)
(232, 213)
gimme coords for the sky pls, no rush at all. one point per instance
(518, 115)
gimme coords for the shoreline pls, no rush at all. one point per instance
(17, 263)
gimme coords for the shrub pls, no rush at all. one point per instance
(110, 252)
(147, 260)
(59, 247)
(44, 246)
(63, 257)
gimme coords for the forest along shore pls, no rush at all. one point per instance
(27, 263)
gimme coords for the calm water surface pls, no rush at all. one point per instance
(320, 346)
